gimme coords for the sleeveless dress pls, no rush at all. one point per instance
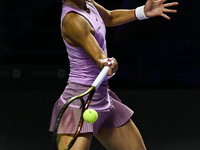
(112, 112)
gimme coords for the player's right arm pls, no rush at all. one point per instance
(77, 32)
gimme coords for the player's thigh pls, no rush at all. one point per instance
(83, 141)
(126, 137)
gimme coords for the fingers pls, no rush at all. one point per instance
(108, 62)
(171, 4)
(164, 1)
(169, 10)
(112, 62)
(165, 16)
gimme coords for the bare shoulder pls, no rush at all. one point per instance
(75, 24)
(74, 20)
(75, 28)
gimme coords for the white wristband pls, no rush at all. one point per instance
(139, 13)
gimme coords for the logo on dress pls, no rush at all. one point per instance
(98, 28)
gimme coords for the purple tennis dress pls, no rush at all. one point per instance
(111, 112)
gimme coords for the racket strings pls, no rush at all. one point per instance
(70, 120)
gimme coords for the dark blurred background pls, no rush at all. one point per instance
(158, 76)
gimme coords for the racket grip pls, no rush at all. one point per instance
(100, 78)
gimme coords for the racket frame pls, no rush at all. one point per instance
(91, 90)
(97, 82)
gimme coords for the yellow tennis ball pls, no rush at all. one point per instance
(90, 115)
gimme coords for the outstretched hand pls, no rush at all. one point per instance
(158, 8)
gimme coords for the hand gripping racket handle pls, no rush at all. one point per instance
(100, 78)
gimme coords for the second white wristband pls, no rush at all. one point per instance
(139, 13)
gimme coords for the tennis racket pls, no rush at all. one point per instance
(71, 114)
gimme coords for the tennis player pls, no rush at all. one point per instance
(83, 26)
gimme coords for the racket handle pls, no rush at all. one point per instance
(100, 78)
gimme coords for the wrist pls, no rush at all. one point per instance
(139, 13)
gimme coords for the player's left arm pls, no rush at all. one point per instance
(121, 16)
(115, 17)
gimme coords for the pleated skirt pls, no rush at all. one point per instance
(113, 116)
